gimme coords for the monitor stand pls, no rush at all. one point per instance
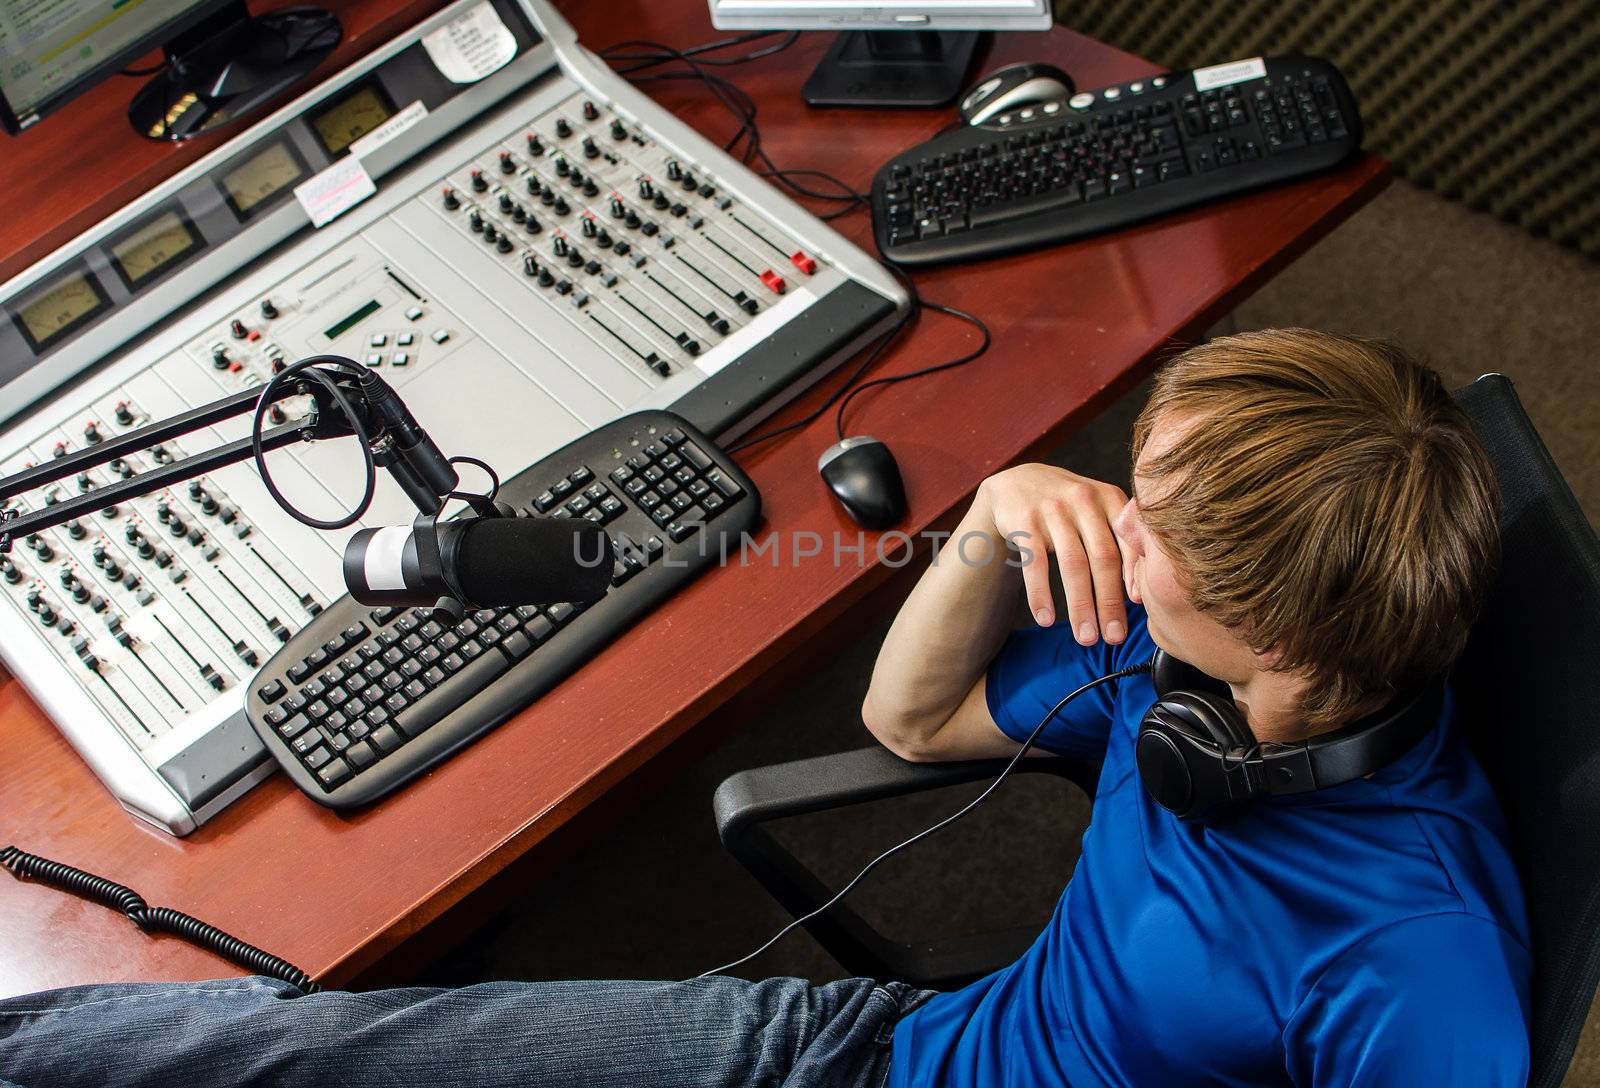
(893, 68)
(228, 65)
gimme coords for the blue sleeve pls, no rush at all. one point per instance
(1039, 665)
(1441, 999)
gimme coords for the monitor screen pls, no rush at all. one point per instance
(881, 15)
(51, 50)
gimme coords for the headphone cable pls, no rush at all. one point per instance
(1131, 670)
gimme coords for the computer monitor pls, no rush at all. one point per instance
(892, 52)
(220, 61)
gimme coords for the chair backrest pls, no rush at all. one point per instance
(1525, 688)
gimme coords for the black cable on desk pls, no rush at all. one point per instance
(25, 866)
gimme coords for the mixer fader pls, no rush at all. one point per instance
(547, 250)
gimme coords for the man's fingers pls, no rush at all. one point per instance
(1076, 580)
(1036, 575)
(1105, 569)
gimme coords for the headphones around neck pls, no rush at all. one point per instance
(1195, 749)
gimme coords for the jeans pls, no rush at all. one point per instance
(707, 1033)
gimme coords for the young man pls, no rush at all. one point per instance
(1312, 523)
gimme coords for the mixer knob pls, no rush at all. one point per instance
(505, 202)
(563, 168)
(503, 245)
(590, 112)
(545, 277)
(44, 551)
(575, 179)
(47, 614)
(617, 131)
(674, 171)
(34, 599)
(9, 571)
(478, 183)
(121, 468)
(60, 450)
(603, 239)
(690, 183)
(575, 258)
(558, 245)
(76, 530)
(633, 219)
(132, 534)
(161, 455)
(588, 227)
(276, 415)
(268, 310)
(530, 264)
(590, 149)
(451, 200)
(646, 189)
(661, 201)
(109, 512)
(507, 163)
(84, 482)
(475, 221)
(91, 433)
(163, 512)
(99, 555)
(618, 208)
(123, 414)
(534, 227)
(534, 146)
(547, 196)
(219, 357)
(533, 185)
(236, 327)
(563, 129)
(277, 366)
(590, 188)
(52, 496)
(176, 527)
(145, 548)
(195, 490)
(490, 234)
(519, 214)
(562, 207)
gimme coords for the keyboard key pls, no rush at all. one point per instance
(334, 773)
(271, 693)
(317, 757)
(361, 754)
(386, 739)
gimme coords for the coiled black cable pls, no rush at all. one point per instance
(26, 866)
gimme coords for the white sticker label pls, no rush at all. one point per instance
(472, 45)
(394, 126)
(1221, 75)
(334, 191)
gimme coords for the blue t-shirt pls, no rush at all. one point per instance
(1368, 934)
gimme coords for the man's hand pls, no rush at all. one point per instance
(1050, 510)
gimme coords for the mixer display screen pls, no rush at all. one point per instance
(352, 117)
(157, 245)
(59, 308)
(254, 182)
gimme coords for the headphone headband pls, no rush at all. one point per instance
(1195, 749)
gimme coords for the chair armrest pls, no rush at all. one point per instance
(749, 799)
(855, 777)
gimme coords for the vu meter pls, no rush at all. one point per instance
(351, 118)
(157, 245)
(61, 307)
(262, 176)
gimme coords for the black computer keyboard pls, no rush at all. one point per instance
(364, 699)
(1107, 158)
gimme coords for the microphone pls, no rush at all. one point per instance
(480, 562)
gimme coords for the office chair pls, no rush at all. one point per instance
(1524, 686)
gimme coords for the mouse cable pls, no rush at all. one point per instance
(1131, 670)
(656, 53)
(109, 893)
(961, 360)
(873, 349)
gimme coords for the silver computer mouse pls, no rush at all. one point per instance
(1014, 86)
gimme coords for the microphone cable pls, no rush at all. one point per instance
(1131, 670)
(25, 866)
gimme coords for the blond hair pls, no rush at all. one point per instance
(1330, 503)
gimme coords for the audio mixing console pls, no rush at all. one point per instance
(544, 250)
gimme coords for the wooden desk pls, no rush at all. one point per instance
(1074, 327)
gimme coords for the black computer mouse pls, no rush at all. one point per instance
(1013, 87)
(865, 478)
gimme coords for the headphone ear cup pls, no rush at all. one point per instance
(1170, 674)
(1182, 747)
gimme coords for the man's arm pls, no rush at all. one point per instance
(927, 700)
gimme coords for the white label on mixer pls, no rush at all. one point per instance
(470, 46)
(334, 191)
(1222, 75)
(387, 131)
